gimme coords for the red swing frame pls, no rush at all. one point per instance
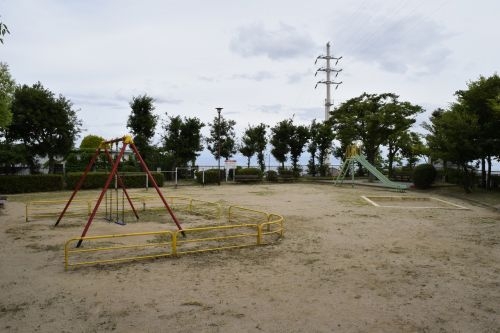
(127, 141)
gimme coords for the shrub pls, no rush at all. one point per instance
(424, 175)
(209, 176)
(254, 172)
(30, 183)
(98, 180)
(92, 181)
(272, 176)
(287, 173)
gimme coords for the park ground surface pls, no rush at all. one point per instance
(343, 265)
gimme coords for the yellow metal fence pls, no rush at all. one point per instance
(148, 245)
(43, 209)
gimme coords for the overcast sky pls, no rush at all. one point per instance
(253, 58)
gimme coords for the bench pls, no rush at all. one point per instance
(401, 178)
(286, 178)
(3, 200)
(247, 178)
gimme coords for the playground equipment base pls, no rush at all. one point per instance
(411, 202)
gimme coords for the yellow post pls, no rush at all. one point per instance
(259, 234)
(27, 204)
(174, 243)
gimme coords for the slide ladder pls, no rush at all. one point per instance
(349, 164)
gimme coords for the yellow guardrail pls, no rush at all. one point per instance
(149, 245)
(163, 245)
(52, 208)
(82, 207)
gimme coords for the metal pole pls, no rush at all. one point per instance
(328, 101)
(176, 177)
(78, 185)
(218, 144)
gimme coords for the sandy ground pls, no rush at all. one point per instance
(343, 266)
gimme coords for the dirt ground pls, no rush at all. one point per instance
(344, 265)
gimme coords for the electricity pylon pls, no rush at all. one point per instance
(328, 82)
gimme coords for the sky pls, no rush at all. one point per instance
(255, 59)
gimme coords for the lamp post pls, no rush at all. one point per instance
(218, 144)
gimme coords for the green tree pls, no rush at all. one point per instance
(481, 99)
(91, 142)
(7, 88)
(11, 155)
(247, 148)
(280, 138)
(453, 138)
(78, 159)
(372, 119)
(222, 133)
(142, 122)
(3, 30)
(182, 140)
(412, 148)
(254, 142)
(320, 146)
(298, 140)
(46, 125)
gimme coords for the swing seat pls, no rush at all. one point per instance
(120, 222)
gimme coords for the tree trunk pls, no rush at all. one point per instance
(488, 177)
(370, 157)
(483, 173)
(390, 157)
(51, 164)
(466, 179)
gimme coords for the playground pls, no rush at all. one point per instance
(343, 265)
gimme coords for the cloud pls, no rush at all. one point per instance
(398, 44)
(161, 100)
(271, 108)
(283, 43)
(259, 76)
(297, 77)
(96, 100)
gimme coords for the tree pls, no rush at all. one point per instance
(254, 142)
(372, 119)
(247, 148)
(91, 142)
(7, 88)
(222, 138)
(3, 30)
(453, 138)
(482, 99)
(10, 155)
(412, 148)
(280, 138)
(182, 139)
(41, 134)
(297, 141)
(78, 159)
(320, 145)
(142, 122)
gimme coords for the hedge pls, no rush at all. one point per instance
(30, 183)
(98, 180)
(271, 176)
(210, 176)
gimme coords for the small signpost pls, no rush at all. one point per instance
(228, 165)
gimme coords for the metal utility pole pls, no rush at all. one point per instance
(218, 143)
(328, 82)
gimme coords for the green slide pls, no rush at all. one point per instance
(349, 163)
